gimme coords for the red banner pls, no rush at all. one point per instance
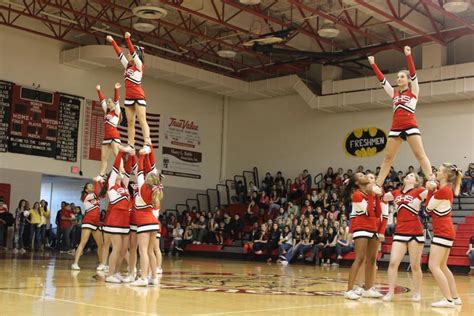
(93, 130)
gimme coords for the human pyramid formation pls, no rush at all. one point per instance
(131, 222)
(370, 210)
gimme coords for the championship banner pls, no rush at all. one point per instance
(93, 130)
(182, 156)
(365, 142)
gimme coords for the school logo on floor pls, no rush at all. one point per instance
(269, 284)
(365, 142)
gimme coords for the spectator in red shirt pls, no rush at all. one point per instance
(264, 201)
(65, 226)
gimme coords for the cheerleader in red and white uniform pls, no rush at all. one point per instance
(116, 223)
(133, 244)
(364, 227)
(404, 125)
(409, 233)
(135, 102)
(439, 207)
(111, 140)
(90, 196)
(150, 193)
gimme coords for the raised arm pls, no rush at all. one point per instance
(118, 51)
(115, 169)
(117, 98)
(134, 53)
(103, 104)
(383, 81)
(140, 172)
(128, 170)
(415, 88)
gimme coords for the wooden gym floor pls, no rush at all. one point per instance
(44, 285)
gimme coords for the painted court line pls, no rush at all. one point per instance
(310, 306)
(74, 302)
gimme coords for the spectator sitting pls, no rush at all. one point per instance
(241, 193)
(274, 202)
(329, 178)
(330, 247)
(467, 180)
(333, 214)
(279, 178)
(285, 242)
(306, 178)
(199, 230)
(268, 183)
(344, 244)
(319, 240)
(307, 208)
(253, 234)
(177, 241)
(260, 243)
(211, 231)
(251, 188)
(187, 237)
(273, 239)
(298, 240)
(251, 215)
(220, 233)
(293, 209)
(264, 201)
(236, 227)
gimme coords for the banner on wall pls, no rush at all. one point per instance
(182, 156)
(94, 130)
(44, 123)
(365, 142)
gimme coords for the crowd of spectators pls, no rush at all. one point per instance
(29, 227)
(290, 217)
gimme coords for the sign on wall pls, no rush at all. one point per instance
(365, 142)
(182, 156)
(6, 93)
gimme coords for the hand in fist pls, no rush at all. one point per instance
(117, 85)
(97, 87)
(407, 50)
(109, 38)
(431, 185)
(127, 35)
(371, 60)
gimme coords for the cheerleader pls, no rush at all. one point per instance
(111, 140)
(408, 233)
(135, 102)
(404, 124)
(439, 206)
(116, 223)
(150, 193)
(133, 245)
(364, 226)
(91, 222)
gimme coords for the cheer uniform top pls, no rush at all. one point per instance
(404, 122)
(111, 119)
(117, 218)
(439, 208)
(91, 202)
(366, 220)
(409, 226)
(133, 74)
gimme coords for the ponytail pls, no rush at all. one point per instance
(454, 176)
(457, 182)
(157, 197)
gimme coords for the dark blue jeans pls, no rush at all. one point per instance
(471, 259)
(35, 232)
(467, 184)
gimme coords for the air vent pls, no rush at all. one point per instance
(149, 12)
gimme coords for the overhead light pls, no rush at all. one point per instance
(456, 6)
(226, 53)
(144, 27)
(270, 40)
(328, 30)
(149, 12)
(250, 2)
(215, 65)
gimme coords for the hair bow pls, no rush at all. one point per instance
(158, 188)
